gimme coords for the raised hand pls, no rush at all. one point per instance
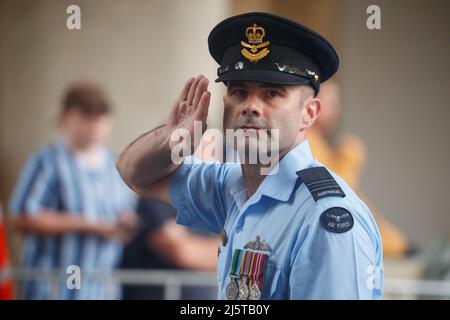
(192, 105)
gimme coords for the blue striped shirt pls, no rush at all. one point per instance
(55, 179)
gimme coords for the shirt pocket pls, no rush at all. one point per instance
(271, 280)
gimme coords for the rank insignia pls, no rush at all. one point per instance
(320, 183)
(255, 49)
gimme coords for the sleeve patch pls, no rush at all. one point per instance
(336, 220)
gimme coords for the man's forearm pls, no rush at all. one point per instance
(147, 159)
(146, 164)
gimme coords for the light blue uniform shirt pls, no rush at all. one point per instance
(306, 261)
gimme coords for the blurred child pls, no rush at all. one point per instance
(71, 203)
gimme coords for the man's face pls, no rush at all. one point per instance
(254, 105)
(84, 131)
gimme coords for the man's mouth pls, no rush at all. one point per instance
(245, 128)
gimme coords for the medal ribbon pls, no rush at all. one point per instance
(258, 267)
(249, 264)
(236, 257)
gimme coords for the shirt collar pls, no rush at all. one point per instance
(281, 184)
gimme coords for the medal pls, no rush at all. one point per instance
(256, 275)
(243, 289)
(245, 269)
(255, 293)
(246, 275)
(232, 289)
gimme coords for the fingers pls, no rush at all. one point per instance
(182, 108)
(180, 104)
(191, 93)
(201, 87)
(193, 96)
(184, 93)
(202, 110)
(193, 88)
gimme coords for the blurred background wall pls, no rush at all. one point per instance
(395, 82)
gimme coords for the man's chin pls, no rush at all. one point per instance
(250, 153)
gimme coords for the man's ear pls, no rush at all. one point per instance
(311, 110)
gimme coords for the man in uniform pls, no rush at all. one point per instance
(300, 233)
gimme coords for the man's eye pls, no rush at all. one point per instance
(273, 93)
(240, 92)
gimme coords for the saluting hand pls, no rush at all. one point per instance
(192, 105)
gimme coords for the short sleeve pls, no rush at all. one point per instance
(36, 188)
(330, 265)
(196, 191)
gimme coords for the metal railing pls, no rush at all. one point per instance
(174, 280)
(171, 280)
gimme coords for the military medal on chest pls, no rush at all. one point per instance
(256, 275)
(232, 288)
(255, 293)
(246, 274)
(243, 289)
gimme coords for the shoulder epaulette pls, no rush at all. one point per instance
(320, 183)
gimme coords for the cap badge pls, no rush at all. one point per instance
(258, 48)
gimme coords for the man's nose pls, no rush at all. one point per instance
(252, 107)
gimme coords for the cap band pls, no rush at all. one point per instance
(273, 66)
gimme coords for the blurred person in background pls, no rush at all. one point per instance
(346, 155)
(163, 244)
(71, 204)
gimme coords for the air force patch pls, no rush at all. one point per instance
(337, 220)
